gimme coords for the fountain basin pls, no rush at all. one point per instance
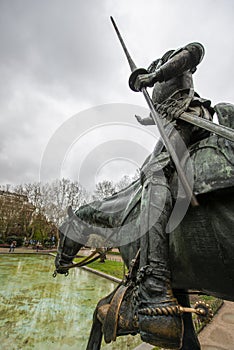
(42, 312)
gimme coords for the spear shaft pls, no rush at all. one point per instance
(170, 149)
(157, 120)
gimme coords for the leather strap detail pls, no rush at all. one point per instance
(110, 324)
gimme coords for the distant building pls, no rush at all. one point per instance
(15, 214)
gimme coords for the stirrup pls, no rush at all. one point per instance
(109, 316)
(114, 324)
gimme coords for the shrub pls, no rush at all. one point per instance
(19, 240)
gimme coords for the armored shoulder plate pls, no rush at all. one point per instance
(212, 161)
(212, 158)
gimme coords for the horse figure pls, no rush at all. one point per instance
(201, 247)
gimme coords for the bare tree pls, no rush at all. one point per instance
(53, 199)
(123, 182)
(104, 189)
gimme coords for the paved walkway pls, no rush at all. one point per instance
(219, 334)
(26, 250)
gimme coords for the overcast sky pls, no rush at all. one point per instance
(60, 58)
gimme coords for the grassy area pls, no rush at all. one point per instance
(114, 253)
(113, 268)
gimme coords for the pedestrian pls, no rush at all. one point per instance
(38, 246)
(12, 247)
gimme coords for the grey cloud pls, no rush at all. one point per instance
(58, 57)
(57, 45)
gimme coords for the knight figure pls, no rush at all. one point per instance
(173, 94)
(145, 302)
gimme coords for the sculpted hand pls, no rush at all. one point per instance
(145, 121)
(145, 80)
(139, 119)
(140, 78)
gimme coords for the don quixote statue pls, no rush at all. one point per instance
(166, 262)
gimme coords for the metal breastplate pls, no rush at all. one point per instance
(162, 91)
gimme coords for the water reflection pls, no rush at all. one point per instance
(40, 312)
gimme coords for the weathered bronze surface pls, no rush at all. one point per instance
(198, 254)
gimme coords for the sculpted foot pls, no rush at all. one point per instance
(159, 323)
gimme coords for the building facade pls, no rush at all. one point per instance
(15, 214)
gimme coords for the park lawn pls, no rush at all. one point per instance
(112, 268)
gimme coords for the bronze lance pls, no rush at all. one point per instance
(157, 119)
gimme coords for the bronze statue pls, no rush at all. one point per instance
(173, 94)
(162, 266)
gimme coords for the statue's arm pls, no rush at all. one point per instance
(180, 61)
(145, 121)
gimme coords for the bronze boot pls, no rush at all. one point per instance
(149, 309)
(146, 307)
(159, 319)
(160, 322)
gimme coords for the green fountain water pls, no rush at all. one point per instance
(39, 312)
